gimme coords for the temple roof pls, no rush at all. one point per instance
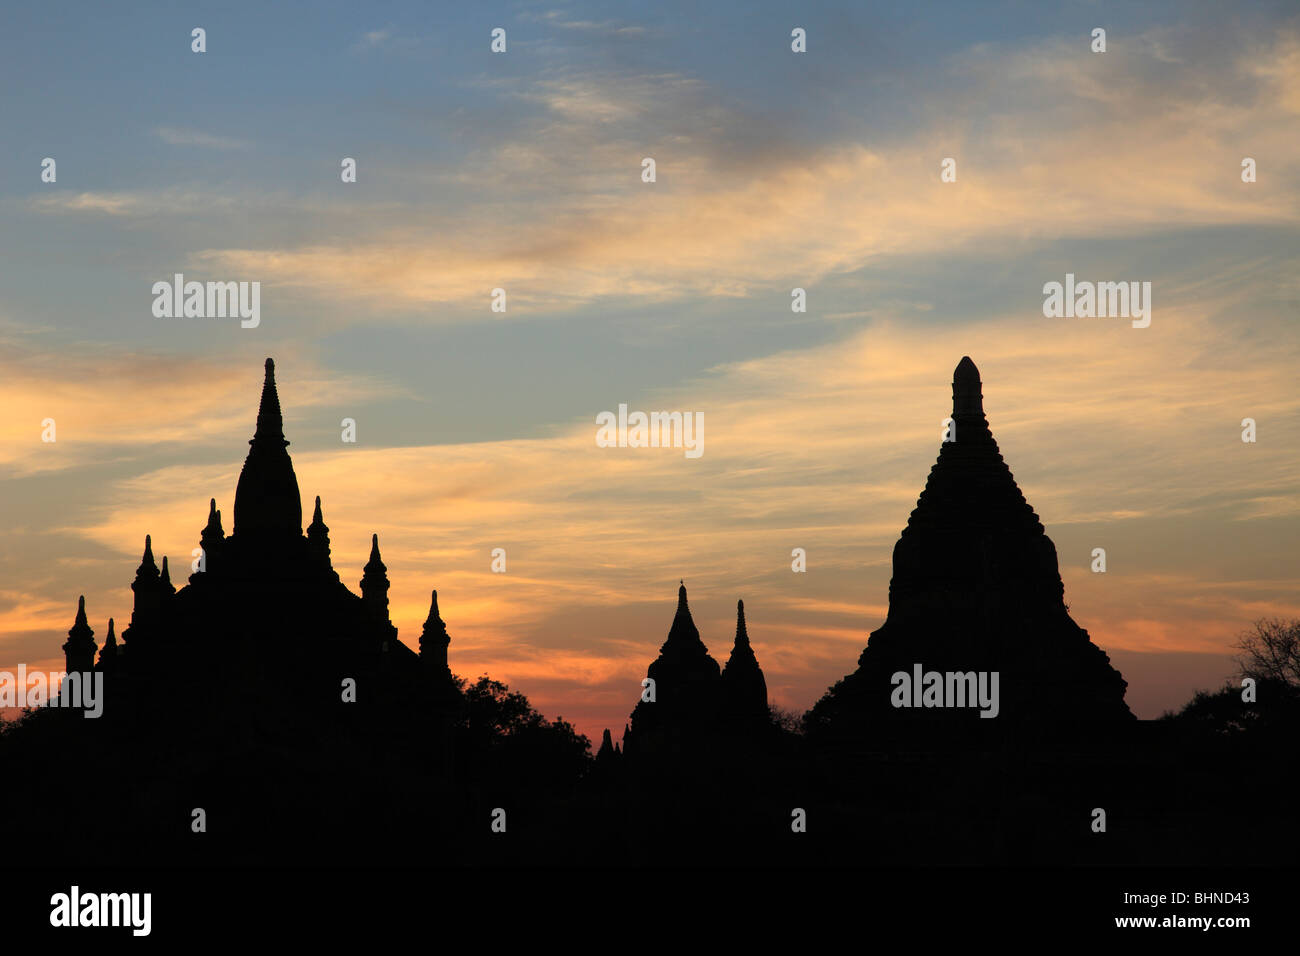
(970, 486)
(683, 632)
(267, 500)
(683, 658)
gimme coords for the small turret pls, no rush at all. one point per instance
(607, 752)
(146, 612)
(743, 686)
(374, 583)
(318, 542)
(79, 651)
(165, 581)
(434, 641)
(967, 397)
(108, 653)
(212, 540)
(374, 592)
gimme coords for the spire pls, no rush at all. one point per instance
(267, 500)
(270, 423)
(374, 583)
(147, 567)
(213, 527)
(970, 486)
(79, 651)
(606, 751)
(967, 399)
(318, 541)
(108, 654)
(434, 641)
(149, 593)
(147, 574)
(211, 540)
(741, 653)
(166, 580)
(683, 632)
(743, 684)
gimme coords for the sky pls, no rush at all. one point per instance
(775, 170)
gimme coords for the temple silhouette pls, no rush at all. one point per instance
(697, 706)
(265, 599)
(280, 704)
(976, 588)
(267, 694)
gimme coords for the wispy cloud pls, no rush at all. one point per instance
(191, 137)
(714, 226)
(112, 204)
(597, 28)
(386, 39)
(168, 201)
(109, 403)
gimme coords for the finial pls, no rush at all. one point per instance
(270, 422)
(109, 650)
(213, 527)
(434, 620)
(317, 526)
(375, 567)
(147, 569)
(81, 609)
(742, 635)
(967, 398)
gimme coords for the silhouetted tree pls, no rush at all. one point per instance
(1271, 652)
(499, 728)
(1219, 712)
(790, 721)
